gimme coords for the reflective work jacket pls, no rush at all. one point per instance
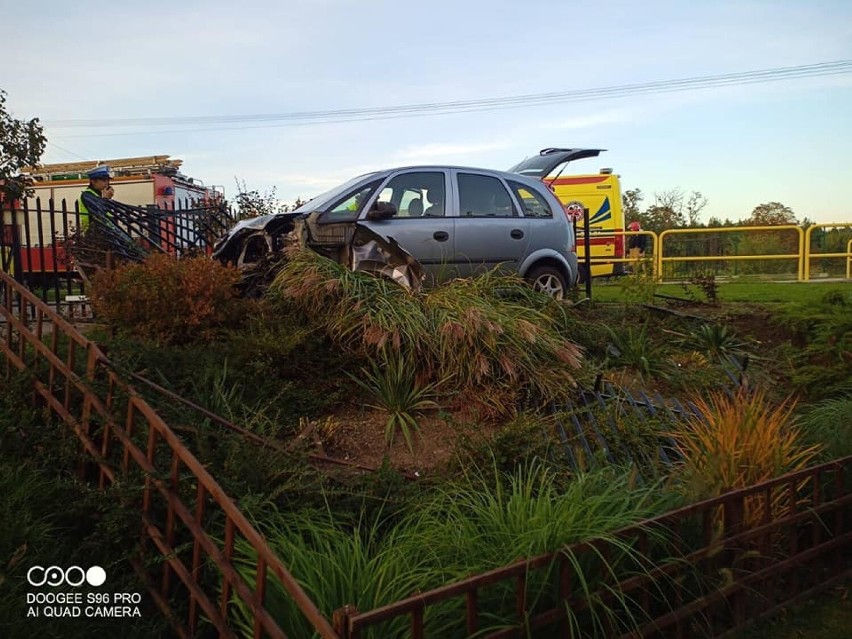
(84, 210)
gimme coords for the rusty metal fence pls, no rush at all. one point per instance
(699, 571)
(180, 504)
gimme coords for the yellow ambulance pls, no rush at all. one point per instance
(598, 192)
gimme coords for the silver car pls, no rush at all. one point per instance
(455, 221)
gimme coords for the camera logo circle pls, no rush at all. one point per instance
(96, 576)
(73, 576)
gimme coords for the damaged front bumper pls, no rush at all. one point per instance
(252, 243)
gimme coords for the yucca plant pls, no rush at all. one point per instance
(631, 347)
(393, 385)
(716, 340)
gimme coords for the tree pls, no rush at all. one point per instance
(771, 214)
(694, 205)
(630, 201)
(770, 242)
(21, 145)
(671, 199)
(254, 203)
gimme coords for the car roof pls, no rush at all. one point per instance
(508, 175)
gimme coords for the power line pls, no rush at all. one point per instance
(64, 150)
(307, 118)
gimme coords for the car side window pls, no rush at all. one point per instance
(532, 202)
(484, 196)
(349, 206)
(417, 194)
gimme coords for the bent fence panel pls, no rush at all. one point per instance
(180, 501)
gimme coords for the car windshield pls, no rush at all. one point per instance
(324, 199)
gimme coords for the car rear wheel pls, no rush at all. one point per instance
(548, 280)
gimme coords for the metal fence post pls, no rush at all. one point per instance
(340, 620)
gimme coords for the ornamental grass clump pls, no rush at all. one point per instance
(485, 520)
(492, 335)
(739, 440)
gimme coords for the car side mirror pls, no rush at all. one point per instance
(381, 211)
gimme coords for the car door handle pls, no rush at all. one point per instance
(517, 234)
(441, 236)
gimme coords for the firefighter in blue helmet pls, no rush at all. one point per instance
(99, 187)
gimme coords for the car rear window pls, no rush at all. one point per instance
(533, 203)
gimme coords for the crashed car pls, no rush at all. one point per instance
(425, 222)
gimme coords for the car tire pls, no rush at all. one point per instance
(548, 280)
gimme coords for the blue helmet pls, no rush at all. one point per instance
(99, 172)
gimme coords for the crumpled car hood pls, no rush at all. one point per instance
(349, 243)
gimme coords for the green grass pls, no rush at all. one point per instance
(750, 292)
(485, 520)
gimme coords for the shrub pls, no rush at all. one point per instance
(823, 366)
(706, 283)
(632, 348)
(640, 285)
(168, 301)
(526, 435)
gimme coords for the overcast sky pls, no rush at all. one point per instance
(787, 141)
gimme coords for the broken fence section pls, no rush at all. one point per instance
(606, 425)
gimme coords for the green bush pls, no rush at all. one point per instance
(822, 360)
(525, 436)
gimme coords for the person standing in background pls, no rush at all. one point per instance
(99, 187)
(637, 243)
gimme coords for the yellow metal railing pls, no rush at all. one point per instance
(803, 256)
(809, 254)
(849, 260)
(627, 259)
(798, 256)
